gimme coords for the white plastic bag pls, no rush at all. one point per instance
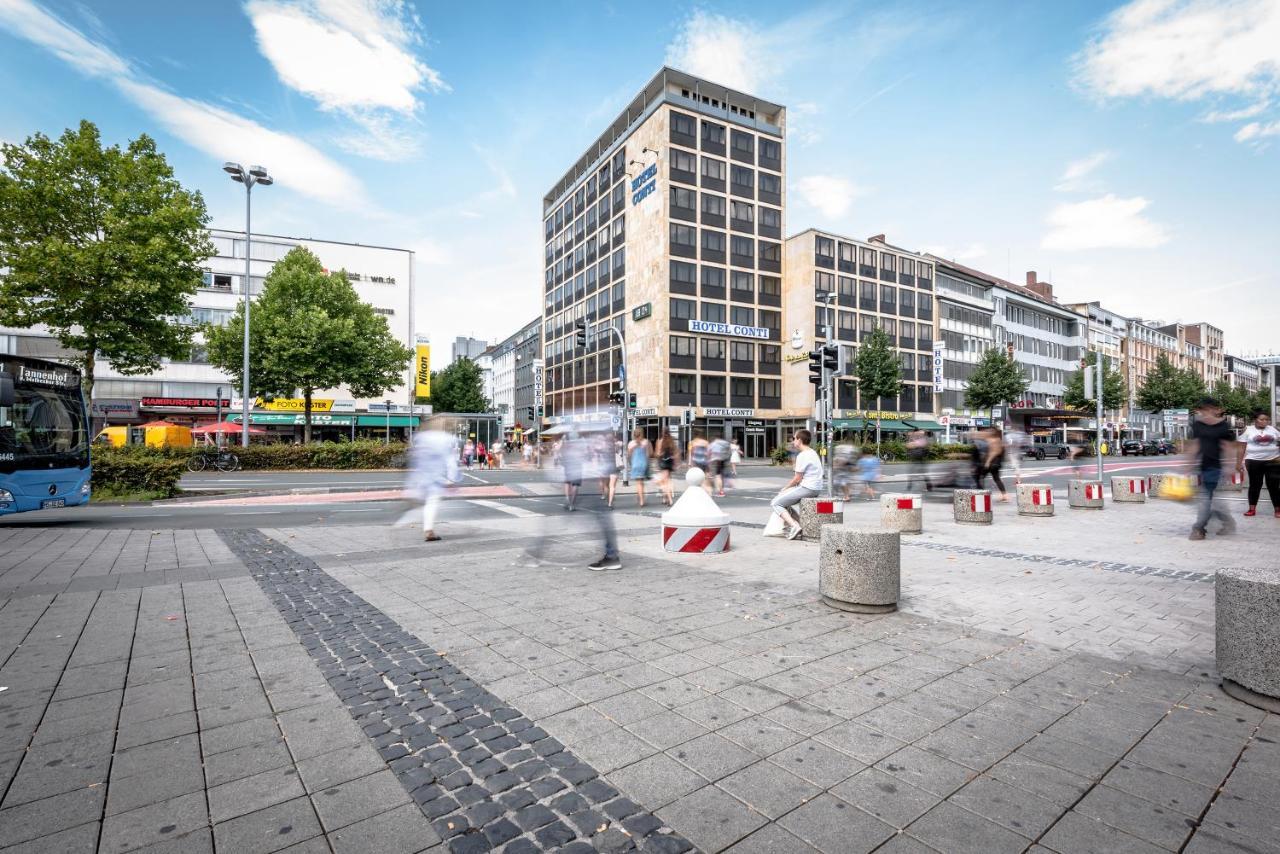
(774, 527)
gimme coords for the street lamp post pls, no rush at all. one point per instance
(254, 175)
(388, 405)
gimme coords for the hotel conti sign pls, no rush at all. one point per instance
(732, 329)
(644, 184)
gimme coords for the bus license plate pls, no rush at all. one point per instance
(53, 502)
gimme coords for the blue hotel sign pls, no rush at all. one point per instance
(639, 187)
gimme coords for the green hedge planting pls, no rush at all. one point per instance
(360, 454)
(135, 470)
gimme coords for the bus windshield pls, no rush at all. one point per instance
(44, 428)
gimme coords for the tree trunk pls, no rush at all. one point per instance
(877, 435)
(306, 416)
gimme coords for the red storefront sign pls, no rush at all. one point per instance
(186, 402)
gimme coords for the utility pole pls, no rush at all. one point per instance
(1098, 387)
(828, 389)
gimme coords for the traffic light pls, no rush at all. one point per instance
(616, 397)
(581, 336)
(538, 413)
(631, 400)
(688, 417)
(831, 357)
(815, 367)
(530, 410)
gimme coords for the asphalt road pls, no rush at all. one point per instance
(197, 514)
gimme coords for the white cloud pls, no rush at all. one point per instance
(354, 57)
(967, 253)
(1248, 112)
(1257, 130)
(1073, 177)
(722, 50)
(802, 123)
(830, 195)
(216, 131)
(1186, 50)
(1108, 222)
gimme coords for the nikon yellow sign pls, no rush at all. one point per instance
(295, 404)
(422, 369)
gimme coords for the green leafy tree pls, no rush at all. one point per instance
(308, 330)
(1260, 400)
(1235, 401)
(1113, 388)
(101, 245)
(1167, 386)
(458, 388)
(997, 380)
(879, 371)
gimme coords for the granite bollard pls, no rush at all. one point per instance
(817, 512)
(972, 506)
(902, 511)
(1085, 494)
(1129, 490)
(1247, 608)
(1035, 499)
(860, 569)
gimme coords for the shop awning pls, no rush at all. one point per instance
(293, 419)
(848, 423)
(926, 425)
(890, 426)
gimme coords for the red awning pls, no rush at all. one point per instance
(227, 427)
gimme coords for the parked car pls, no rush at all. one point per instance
(1040, 449)
(1162, 446)
(1131, 446)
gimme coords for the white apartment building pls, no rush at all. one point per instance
(1243, 373)
(966, 320)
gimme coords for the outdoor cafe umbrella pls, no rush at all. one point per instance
(226, 427)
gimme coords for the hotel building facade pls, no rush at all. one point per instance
(669, 230)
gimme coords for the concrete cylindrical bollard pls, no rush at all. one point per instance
(860, 570)
(1085, 494)
(1232, 482)
(1129, 490)
(694, 524)
(1153, 484)
(972, 506)
(902, 511)
(817, 512)
(1247, 634)
(1035, 499)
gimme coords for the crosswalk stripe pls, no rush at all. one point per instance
(503, 507)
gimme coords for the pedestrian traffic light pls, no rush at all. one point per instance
(688, 417)
(616, 397)
(631, 400)
(581, 336)
(538, 414)
(815, 367)
(530, 410)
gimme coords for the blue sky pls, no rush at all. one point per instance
(1126, 152)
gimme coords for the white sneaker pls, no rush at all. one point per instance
(794, 532)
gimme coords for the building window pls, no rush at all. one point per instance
(770, 154)
(683, 165)
(823, 284)
(846, 263)
(684, 240)
(712, 391)
(713, 210)
(744, 147)
(742, 251)
(742, 181)
(742, 286)
(683, 389)
(742, 357)
(742, 392)
(712, 246)
(713, 350)
(683, 352)
(742, 216)
(770, 256)
(713, 312)
(742, 316)
(770, 222)
(713, 282)
(713, 137)
(770, 188)
(824, 250)
(770, 290)
(683, 129)
(888, 299)
(684, 204)
(770, 393)
(713, 174)
(684, 277)
(684, 309)
(848, 295)
(771, 320)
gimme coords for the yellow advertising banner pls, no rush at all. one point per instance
(295, 404)
(422, 368)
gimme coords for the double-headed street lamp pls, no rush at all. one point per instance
(255, 175)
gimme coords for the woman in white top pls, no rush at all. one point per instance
(1261, 460)
(735, 457)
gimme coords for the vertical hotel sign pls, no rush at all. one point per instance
(422, 366)
(538, 388)
(938, 375)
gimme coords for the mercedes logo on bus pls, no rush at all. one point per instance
(53, 489)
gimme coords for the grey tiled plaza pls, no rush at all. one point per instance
(354, 689)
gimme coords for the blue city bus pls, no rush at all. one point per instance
(44, 436)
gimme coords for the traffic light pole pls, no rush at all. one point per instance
(626, 402)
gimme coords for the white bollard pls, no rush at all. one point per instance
(1085, 494)
(1128, 490)
(1035, 499)
(972, 506)
(695, 524)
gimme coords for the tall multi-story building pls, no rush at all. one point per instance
(508, 375)
(875, 285)
(1104, 333)
(966, 328)
(1143, 344)
(1047, 341)
(1213, 361)
(1243, 374)
(188, 391)
(467, 348)
(1190, 354)
(668, 230)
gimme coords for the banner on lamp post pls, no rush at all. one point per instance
(422, 367)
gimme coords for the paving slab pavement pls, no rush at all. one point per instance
(1014, 703)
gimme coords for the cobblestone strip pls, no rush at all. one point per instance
(486, 776)
(1109, 566)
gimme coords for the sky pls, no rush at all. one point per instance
(1127, 152)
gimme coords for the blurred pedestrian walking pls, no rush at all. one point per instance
(1212, 439)
(988, 457)
(918, 456)
(668, 460)
(868, 473)
(718, 458)
(433, 458)
(1261, 461)
(844, 468)
(735, 457)
(638, 451)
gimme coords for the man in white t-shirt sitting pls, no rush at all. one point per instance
(806, 483)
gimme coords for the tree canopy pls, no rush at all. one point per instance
(1113, 388)
(879, 371)
(458, 388)
(1167, 386)
(308, 331)
(997, 380)
(101, 245)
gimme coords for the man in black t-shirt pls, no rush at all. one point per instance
(1211, 440)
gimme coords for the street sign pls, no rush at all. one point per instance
(997, 412)
(947, 410)
(944, 420)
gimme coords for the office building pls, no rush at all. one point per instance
(1213, 354)
(1143, 344)
(1104, 333)
(667, 232)
(874, 285)
(467, 348)
(508, 369)
(1189, 355)
(966, 329)
(189, 391)
(1243, 374)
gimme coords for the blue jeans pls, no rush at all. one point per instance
(1208, 510)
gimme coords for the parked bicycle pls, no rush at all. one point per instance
(223, 461)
